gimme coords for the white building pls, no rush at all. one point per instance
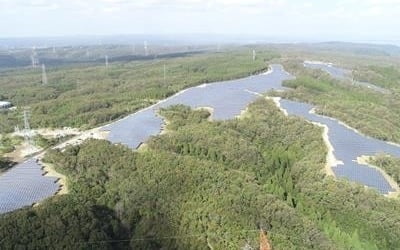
(5, 105)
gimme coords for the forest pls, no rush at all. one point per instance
(206, 185)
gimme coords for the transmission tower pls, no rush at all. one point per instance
(27, 127)
(165, 74)
(44, 75)
(34, 59)
(146, 53)
(106, 61)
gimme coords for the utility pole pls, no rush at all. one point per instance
(27, 127)
(254, 55)
(165, 73)
(44, 75)
(34, 59)
(146, 53)
(106, 61)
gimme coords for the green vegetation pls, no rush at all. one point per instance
(207, 184)
(8, 143)
(389, 164)
(86, 96)
(45, 142)
(5, 164)
(372, 113)
(384, 76)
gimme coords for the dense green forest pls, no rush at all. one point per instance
(86, 96)
(207, 185)
(370, 112)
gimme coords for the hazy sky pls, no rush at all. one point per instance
(321, 19)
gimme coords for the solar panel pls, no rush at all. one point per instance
(24, 185)
(348, 145)
(227, 98)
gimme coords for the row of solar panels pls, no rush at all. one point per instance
(24, 185)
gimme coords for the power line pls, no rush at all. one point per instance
(27, 127)
(106, 60)
(146, 53)
(165, 73)
(169, 237)
(44, 74)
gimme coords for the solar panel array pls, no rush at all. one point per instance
(23, 185)
(230, 97)
(227, 98)
(343, 74)
(348, 145)
(335, 72)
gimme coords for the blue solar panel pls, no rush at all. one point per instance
(230, 97)
(334, 71)
(24, 185)
(227, 99)
(343, 74)
(348, 145)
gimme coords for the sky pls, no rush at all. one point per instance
(296, 19)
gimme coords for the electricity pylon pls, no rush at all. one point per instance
(146, 53)
(165, 74)
(27, 127)
(44, 74)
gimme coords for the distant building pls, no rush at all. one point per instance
(5, 105)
